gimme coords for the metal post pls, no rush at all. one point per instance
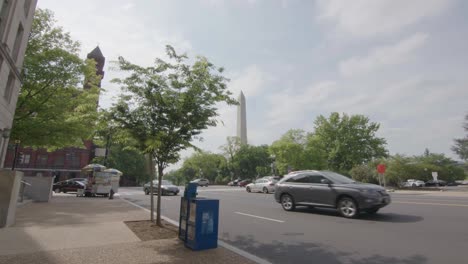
(15, 156)
(384, 183)
(380, 181)
(107, 149)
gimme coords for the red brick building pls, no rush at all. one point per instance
(64, 163)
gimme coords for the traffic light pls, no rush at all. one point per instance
(20, 157)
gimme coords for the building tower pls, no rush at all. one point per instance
(242, 120)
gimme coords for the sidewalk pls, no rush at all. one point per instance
(92, 230)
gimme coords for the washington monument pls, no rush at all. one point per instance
(241, 120)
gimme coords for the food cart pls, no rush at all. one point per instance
(100, 181)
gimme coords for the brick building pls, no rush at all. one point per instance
(64, 163)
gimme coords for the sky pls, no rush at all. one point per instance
(401, 63)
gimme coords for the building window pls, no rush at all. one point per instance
(42, 159)
(26, 159)
(73, 159)
(4, 9)
(9, 87)
(59, 160)
(18, 40)
(27, 6)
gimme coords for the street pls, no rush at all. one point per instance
(415, 228)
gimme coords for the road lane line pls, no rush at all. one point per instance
(221, 243)
(261, 217)
(461, 205)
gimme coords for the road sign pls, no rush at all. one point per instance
(435, 175)
(381, 168)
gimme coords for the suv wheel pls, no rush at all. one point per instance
(265, 190)
(287, 202)
(147, 192)
(248, 189)
(348, 207)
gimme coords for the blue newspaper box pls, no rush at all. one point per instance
(198, 223)
(202, 224)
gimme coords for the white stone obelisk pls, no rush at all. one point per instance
(242, 120)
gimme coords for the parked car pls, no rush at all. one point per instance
(68, 186)
(234, 182)
(244, 183)
(413, 183)
(436, 183)
(276, 178)
(202, 182)
(167, 187)
(332, 190)
(262, 185)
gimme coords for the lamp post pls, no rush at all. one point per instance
(15, 156)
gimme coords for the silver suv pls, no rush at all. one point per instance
(332, 190)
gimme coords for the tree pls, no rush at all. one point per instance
(296, 150)
(252, 161)
(204, 165)
(348, 140)
(53, 109)
(364, 173)
(230, 149)
(461, 144)
(166, 106)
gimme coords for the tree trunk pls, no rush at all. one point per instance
(158, 209)
(151, 172)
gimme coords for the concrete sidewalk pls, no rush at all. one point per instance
(92, 230)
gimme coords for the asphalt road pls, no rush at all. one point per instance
(413, 229)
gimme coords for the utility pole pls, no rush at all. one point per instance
(15, 156)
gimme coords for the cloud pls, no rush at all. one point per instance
(382, 56)
(374, 17)
(289, 105)
(252, 81)
(128, 6)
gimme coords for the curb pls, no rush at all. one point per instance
(221, 243)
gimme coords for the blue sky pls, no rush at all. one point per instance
(402, 63)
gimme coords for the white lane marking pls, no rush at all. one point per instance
(221, 190)
(261, 217)
(221, 243)
(442, 204)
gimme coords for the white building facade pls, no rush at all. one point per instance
(16, 18)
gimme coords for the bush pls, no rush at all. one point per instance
(364, 173)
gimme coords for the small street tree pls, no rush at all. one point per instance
(166, 106)
(53, 109)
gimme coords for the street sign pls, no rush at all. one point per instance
(435, 175)
(381, 168)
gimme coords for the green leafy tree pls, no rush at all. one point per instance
(166, 106)
(229, 150)
(348, 140)
(461, 144)
(252, 161)
(204, 165)
(364, 173)
(53, 109)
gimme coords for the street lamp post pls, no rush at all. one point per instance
(15, 156)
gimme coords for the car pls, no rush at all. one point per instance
(330, 190)
(413, 183)
(436, 183)
(68, 186)
(262, 185)
(167, 187)
(201, 182)
(244, 183)
(277, 178)
(234, 182)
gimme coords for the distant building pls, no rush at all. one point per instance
(63, 163)
(242, 120)
(16, 18)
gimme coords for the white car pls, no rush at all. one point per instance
(201, 182)
(413, 183)
(262, 185)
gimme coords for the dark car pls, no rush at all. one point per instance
(244, 183)
(167, 187)
(436, 183)
(68, 186)
(332, 190)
